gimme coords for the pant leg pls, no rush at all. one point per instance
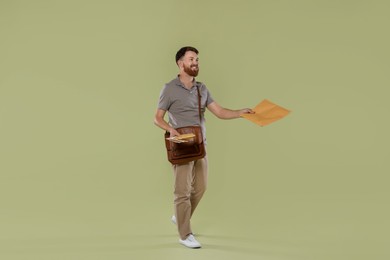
(182, 194)
(199, 182)
(190, 185)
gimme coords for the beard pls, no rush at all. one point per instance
(192, 71)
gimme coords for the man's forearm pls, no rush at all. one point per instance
(229, 114)
(225, 113)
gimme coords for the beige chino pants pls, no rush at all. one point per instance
(190, 185)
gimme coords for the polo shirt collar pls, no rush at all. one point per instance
(179, 83)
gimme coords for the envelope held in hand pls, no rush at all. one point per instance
(266, 113)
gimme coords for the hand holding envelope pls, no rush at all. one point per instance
(266, 113)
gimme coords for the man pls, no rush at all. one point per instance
(180, 98)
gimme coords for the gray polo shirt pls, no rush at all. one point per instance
(182, 103)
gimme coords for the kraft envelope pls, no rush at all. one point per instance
(266, 113)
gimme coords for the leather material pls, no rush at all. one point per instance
(194, 149)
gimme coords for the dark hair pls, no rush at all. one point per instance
(180, 53)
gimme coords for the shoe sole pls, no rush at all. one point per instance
(197, 247)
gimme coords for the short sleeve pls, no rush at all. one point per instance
(164, 101)
(209, 99)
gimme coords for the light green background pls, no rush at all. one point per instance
(83, 169)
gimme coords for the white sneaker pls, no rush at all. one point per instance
(173, 219)
(190, 242)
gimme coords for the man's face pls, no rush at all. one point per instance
(190, 63)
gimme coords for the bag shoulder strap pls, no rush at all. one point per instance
(199, 108)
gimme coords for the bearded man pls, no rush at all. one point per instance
(180, 98)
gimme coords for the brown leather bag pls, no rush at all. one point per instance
(193, 149)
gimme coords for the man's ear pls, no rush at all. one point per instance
(180, 63)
